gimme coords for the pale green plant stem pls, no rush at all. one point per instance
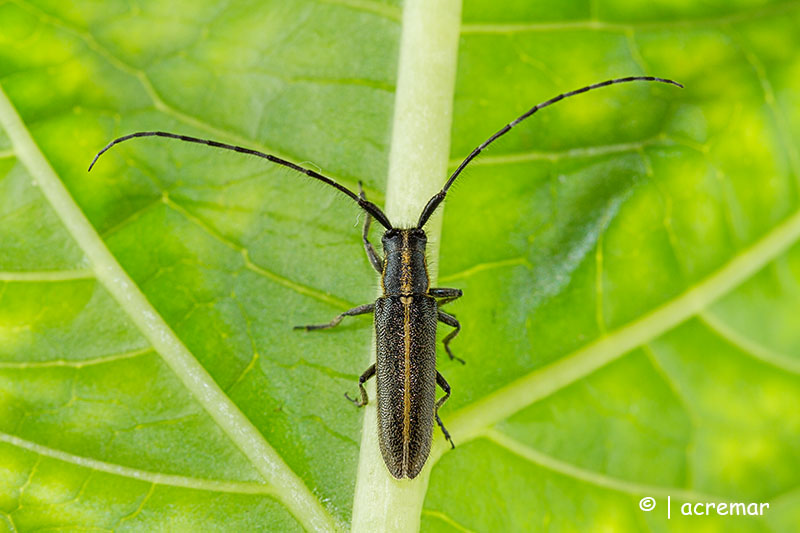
(290, 489)
(417, 170)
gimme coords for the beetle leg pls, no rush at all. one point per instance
(377, 262)
(446, 388)
(360, 310)
(364, 377)
(450, 320)
(446, 295)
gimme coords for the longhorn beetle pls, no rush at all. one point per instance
(406, 314)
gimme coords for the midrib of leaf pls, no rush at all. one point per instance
(289, 488)
(418, 163)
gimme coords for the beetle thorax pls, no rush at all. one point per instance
(405, 270)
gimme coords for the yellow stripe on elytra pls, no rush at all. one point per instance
(406, 301)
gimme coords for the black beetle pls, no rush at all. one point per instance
(407, 313)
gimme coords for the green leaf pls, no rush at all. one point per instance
(629, 262)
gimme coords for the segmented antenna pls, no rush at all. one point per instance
(434, 202)
(366, 205)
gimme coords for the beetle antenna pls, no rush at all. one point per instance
(366, 205)
(434, 202)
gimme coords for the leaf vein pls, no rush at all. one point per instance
(598, 25)
(159, 103)
(211, 485)
(571, 153)
(389, 12)
(76, 363)
(749, 346)
(138, 509)
(250, 265)
(132, 217)
(489, 265)
(295, 495)
(470, 421)
(446, 519)
(594, 478)
(694, 419)
(7, 518)
(46, 276)
(769, 97)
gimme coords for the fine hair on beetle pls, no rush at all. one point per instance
(407, 312)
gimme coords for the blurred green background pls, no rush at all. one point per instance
(628, 258)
